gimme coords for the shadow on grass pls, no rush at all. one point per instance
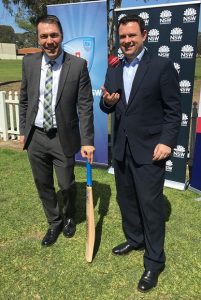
(101, 198)
(168, 209)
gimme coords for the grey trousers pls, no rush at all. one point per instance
(46, 156)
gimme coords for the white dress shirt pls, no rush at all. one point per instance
(56, 71)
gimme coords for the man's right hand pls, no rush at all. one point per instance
(110, 99)
(21, 139)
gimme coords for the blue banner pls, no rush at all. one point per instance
(85, 35)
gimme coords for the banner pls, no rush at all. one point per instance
(172, 33)
(195, 183)
(85, 35)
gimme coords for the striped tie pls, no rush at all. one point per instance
(47, 115)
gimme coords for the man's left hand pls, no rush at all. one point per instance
(88, 152)
(161, 152)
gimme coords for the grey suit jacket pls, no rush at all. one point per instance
(74, 104)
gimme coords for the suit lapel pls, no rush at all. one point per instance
(120, 84)
(141, 71)
(36, 73)
(63, 75)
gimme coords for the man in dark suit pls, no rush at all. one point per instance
(56, 120)
(143, 91)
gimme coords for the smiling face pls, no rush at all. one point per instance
(50, 38)
(131, 39)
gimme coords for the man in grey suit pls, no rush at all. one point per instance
(56, 120)
(143, 92)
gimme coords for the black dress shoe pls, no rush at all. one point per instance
(51, 236)
(148, 280)
(125, 248)
(69, 228)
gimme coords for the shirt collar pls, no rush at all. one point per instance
(57, 60)
(135, 61)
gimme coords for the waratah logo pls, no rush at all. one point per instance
(184, 121)
(177, 67)
(164, 51)
(145, 16)
(179, 151)
(185, 86)
(187, 52)
(189, 15)
(169, 166)
(120, 54)
(153, 35)
(121, 16)
(176, 34)
(165, 17)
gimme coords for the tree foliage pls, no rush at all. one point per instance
(28, 11)
(7, 34)
(33, 8)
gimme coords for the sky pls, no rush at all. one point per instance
(7, 19)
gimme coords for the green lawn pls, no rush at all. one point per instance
(10, 70)
(198, 69)
(28, 271)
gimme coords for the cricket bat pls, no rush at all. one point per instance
(89, 216)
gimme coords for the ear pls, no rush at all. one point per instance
(144, 35)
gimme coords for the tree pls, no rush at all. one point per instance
(29, 10)
(7, 34)
(33, 8)
(26, 40)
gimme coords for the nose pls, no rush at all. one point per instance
(49, 39)
(127, 39)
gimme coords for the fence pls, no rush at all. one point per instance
(9, 116)
(9, 121)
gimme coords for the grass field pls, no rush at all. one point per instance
(10, 70)
(30, 272)
(198, 69)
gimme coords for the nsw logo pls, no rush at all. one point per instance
(187, 52)
(164, 51)
(153, 36)
(179, 152)
(176, 34)
(165, 17)
(120, 54)
(177, 67)
(189, 15)
(82, 47)
(184, 122)
(121, 16)
(185, 87)
(145, 16)
(169, 166)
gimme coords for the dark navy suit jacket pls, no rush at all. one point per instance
(153, 112)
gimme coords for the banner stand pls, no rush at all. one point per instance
(172, 33)
(195, 182)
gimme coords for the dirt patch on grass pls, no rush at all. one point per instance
(13, 87)
(11, 144)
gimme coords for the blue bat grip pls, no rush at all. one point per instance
(89, 174)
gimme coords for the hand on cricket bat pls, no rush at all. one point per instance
(89, 216)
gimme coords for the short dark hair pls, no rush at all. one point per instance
(50, 19)
(132, 18)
